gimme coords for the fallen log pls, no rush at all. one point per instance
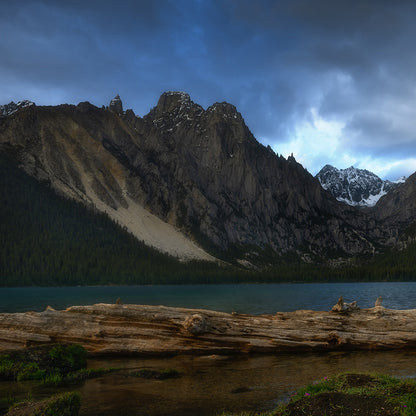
(160, 330)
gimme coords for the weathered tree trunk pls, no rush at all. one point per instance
(159, 330)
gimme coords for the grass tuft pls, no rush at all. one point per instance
(65, 404)
(350, 394)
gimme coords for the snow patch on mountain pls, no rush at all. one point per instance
(400, 180)
(357, 187)
(9, 109)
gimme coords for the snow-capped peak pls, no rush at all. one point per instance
(357, 187)
(9, 109)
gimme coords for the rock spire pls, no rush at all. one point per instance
(116, 106)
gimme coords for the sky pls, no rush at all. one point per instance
(331, 81)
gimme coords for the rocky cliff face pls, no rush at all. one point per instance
(357, 187)
(199, 171)
(398, 208)
(204, 171)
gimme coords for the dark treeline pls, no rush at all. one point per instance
(47, 240)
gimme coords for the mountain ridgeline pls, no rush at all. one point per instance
(196, 184)
(357, 187)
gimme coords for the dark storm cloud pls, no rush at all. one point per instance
(360, 56)
(373, 133)
(350, 61)
(78, 47)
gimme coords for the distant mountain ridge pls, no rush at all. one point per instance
(192, 182)
(11, 108)
(356, 187)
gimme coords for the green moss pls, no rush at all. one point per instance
(68, 357)
(8, 368)
(66, 404)
(30, 371)
(50, 364)
(350, 394)
(6, 402)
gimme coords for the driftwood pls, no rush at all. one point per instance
(343, 307)
(159, 330)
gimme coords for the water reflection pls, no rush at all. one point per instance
(209, 385)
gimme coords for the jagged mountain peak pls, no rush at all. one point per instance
(116, 105)
(176, 115)
(180, 102)
(199, 171)
(223, 107)
(11, 108)
(357, 187)
(174, 101)
(182, 96)
(224, 111)
(328, 168)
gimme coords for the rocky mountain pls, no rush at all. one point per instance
(11, 108)
(116, 105)
(357, 187)
(189, 181)
(398, 207)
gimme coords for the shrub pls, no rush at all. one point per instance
(30, 371)
(68, 358)
(67, 404)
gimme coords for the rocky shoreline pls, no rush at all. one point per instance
(158, 330)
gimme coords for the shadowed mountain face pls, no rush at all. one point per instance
(200, 171)
(398, 207)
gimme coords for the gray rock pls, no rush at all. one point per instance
(116, 106)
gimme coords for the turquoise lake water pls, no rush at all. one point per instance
(252, 298)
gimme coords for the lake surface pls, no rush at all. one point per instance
(212, 384)
(250, 298)
(209, 385)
